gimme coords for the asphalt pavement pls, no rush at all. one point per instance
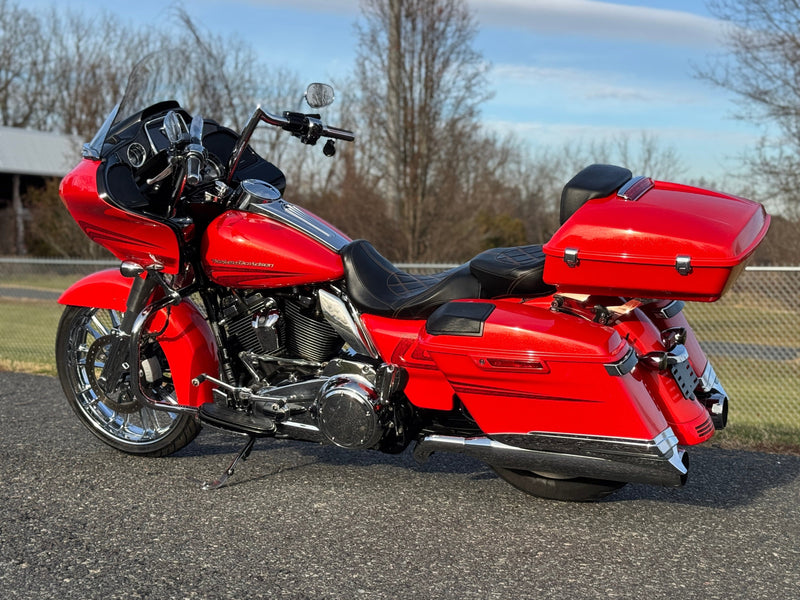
(301, 521)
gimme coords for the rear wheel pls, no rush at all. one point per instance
(117, 418)
(579, 489)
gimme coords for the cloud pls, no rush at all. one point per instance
(576, 83)
(602, 20)
(338, 7)
(590, 18)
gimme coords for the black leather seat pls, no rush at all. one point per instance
(513, 271)
(376, 286)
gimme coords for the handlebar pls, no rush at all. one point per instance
(194, 163)
(339, 134)
(308, 127)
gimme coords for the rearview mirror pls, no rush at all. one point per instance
(173, 127)
(319, 95)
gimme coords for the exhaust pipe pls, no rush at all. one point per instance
(717, 406)
(656, 462)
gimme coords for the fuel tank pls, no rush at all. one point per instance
(267, 242)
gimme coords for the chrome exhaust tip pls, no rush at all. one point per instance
(712, 395)
(717, 407)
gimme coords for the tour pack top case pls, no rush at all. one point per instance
(655, 239)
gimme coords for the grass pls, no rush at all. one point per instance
(36, 281)
(777, 439)
(27, 335)
(764, 394)
(767, 324)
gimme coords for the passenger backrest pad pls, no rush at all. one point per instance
(595, 181)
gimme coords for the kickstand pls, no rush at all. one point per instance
(244, 453)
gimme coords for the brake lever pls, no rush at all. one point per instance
(161, 176)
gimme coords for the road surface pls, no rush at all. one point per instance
(79, 520)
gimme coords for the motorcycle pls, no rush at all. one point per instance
(569, 368)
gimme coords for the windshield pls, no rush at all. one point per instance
(154, 79)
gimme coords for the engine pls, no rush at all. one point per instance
(310, 336)
(296, 357)
(251, 323)
(254, 323)
(354, 407)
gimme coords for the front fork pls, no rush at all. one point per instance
(123, 355)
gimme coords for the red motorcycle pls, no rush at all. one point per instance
(569, 368)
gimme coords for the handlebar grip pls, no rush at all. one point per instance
(195, 159)
(193, 169)
(339, 134)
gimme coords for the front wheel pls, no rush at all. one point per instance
(580, 489)
(117, 418)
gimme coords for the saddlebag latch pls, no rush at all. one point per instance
(571, 257)
(683, 264)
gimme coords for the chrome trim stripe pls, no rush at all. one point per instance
(668, 469)
(290, 215)
(709, 379)
(663, 445)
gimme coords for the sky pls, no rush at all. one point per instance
(562, 71)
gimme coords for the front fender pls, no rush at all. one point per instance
(104, 289)
(188, 341)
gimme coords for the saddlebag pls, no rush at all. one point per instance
(520, 368)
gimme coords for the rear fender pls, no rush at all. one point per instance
(187, 342)
(688, 418)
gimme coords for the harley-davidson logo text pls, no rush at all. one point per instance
(242, 263)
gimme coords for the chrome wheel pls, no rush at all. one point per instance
(116, 418)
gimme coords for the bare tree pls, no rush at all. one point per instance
(644, 155)
(762, 70)
(421, 83)
(89, 63)
(24, 66)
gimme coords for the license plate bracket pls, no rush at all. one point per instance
(685, 377)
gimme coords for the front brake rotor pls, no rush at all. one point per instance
(121, 400)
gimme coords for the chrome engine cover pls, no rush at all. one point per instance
(350, 413)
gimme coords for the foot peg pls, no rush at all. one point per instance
(236, 421)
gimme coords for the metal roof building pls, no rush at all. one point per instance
(26, 159)
(26, 152)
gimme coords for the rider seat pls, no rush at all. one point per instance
(376, 286)
(595, 181)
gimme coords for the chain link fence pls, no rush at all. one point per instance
(751, 335)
